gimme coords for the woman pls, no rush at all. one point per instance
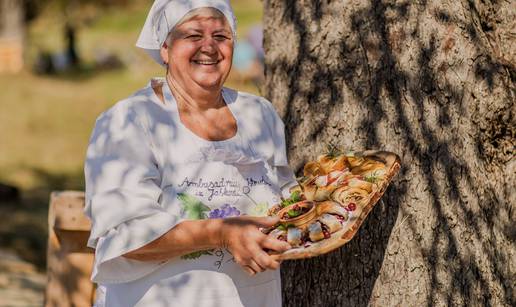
(177, 173)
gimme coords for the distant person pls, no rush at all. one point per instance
(180, 175)
(71, 48)
(255, 38)
(248, 56)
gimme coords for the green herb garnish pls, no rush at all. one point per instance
(373, 178)
(284, 227)
(294, 198)
(333, 151)
(293, 213)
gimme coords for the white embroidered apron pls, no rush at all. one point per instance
(203, 180)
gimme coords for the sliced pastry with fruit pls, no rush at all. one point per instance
(333, 197)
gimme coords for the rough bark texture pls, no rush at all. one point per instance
(434, 82)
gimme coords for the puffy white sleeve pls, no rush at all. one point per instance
(122, 196)
(286, 178)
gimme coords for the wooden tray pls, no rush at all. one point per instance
(356, 217)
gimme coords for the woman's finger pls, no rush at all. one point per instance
(275, 244)
(255, 266)
(272, 264)
(264, 260)
(263, 221)
(248, 270)
(275, 265)
(277, 258)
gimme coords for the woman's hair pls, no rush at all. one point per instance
(202, 11)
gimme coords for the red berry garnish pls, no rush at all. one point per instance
(351, 207)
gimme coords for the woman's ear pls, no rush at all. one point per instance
(163, 52)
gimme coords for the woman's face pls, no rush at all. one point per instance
(200, 52)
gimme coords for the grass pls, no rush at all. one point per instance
(46, 121)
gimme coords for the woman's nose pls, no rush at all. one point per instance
(208, 45)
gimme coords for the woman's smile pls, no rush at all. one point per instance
(205, 62)
(206, 65)
(200, 52)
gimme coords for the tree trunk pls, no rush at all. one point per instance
(11, 36)
(11, 19)
(432, 81)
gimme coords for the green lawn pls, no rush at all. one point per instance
(45, 121)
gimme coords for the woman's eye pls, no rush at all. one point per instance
(194, 37)
(220, 37)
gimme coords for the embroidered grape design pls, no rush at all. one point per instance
(225, 211)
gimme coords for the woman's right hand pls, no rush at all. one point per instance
(243, 238)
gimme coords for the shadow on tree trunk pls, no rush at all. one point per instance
(359, 89)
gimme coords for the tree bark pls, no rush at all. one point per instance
(432, 81)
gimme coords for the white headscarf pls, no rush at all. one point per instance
(165, 14)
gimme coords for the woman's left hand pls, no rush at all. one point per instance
(243, 238)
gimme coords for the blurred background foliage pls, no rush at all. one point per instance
(49, 108)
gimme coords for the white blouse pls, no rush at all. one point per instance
(146, 172)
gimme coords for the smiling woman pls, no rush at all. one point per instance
(175, 172)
